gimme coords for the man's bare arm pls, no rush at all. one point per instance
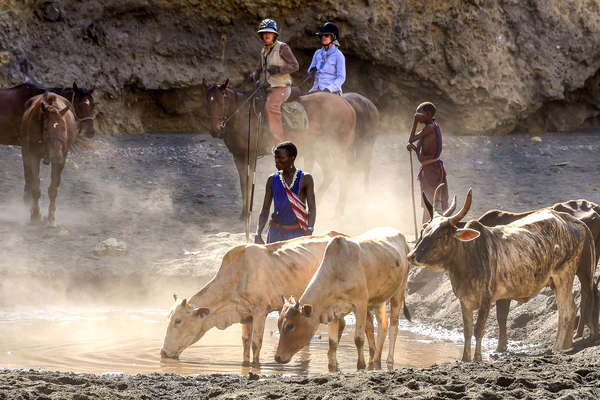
(310, 199)
(264, 213)
(428, 130)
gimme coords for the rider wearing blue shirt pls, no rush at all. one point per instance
(328, 62)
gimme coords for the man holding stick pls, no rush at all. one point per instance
(429, 149)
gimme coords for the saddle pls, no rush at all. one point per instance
(293, 114)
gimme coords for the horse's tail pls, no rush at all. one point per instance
(367, 124)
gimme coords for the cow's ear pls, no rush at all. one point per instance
(284, 300)
(201, 312)
(428, 205)
(466, 235)
(75, 88)
(183, 302)
(306, 310)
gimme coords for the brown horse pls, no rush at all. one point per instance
(329, 139)
(12, 108)
(48, 130)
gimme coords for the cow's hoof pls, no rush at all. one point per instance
(501, 348)
(376, 364)
(360, 365)
(333, 368)
(477, 358)
(390, 365)
(246, 363)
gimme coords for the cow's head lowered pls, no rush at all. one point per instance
(297, 325)
(439, 236)
(186, 327)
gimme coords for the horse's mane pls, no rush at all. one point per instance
(235, 90)
(51, 98)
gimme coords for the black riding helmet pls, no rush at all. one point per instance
(331, 28)
(267, 25)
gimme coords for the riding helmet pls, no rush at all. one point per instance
(267, 25)
(331, 28)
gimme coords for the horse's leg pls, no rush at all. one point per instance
(27, 175)
(34, 161)
(242, 169)
(53, 192)
(345, 184)
(363, 162)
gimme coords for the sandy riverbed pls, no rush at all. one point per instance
(174, 200)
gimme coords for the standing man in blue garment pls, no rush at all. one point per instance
(293, 194)
(328, 63)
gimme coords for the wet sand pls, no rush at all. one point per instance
(518, 377)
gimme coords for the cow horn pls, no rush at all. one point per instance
(461, 214)
(174, 296)
(450, 210)
(183, 302)
(436, 195)
(428, 205)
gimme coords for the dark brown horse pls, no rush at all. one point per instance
(48, 130)
(330, 138)
(12, 108)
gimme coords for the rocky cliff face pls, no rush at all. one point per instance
(491, 66)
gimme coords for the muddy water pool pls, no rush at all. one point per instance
(129, 341)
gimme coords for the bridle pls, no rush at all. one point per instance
(225, 120)
(79, 120)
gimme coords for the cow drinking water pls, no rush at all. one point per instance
(514, 261)
(248, 286)
(356, 275)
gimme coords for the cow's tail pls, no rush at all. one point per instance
(406, 312)
(593, 261)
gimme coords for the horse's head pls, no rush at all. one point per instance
(55, 133)
(217, 99)
(84, 108)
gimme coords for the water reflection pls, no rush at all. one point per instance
(130, 342)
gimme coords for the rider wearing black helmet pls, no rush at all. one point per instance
(276, 64)
(328, 63)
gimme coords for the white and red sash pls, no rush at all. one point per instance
(299, 208)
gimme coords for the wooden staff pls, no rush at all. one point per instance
(412, 180)
(258, 139)
(247, 199)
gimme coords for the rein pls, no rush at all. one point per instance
(226, 120)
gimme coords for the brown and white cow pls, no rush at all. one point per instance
(249, 284)
(356, 275)
(513, 261)
(588, 213)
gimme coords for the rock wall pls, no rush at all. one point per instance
(491, 66)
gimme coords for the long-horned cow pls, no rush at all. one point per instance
(514, 261)
(356, 275)
(588, 213)
(249, 284)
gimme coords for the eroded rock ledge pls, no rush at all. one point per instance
(492, 66)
